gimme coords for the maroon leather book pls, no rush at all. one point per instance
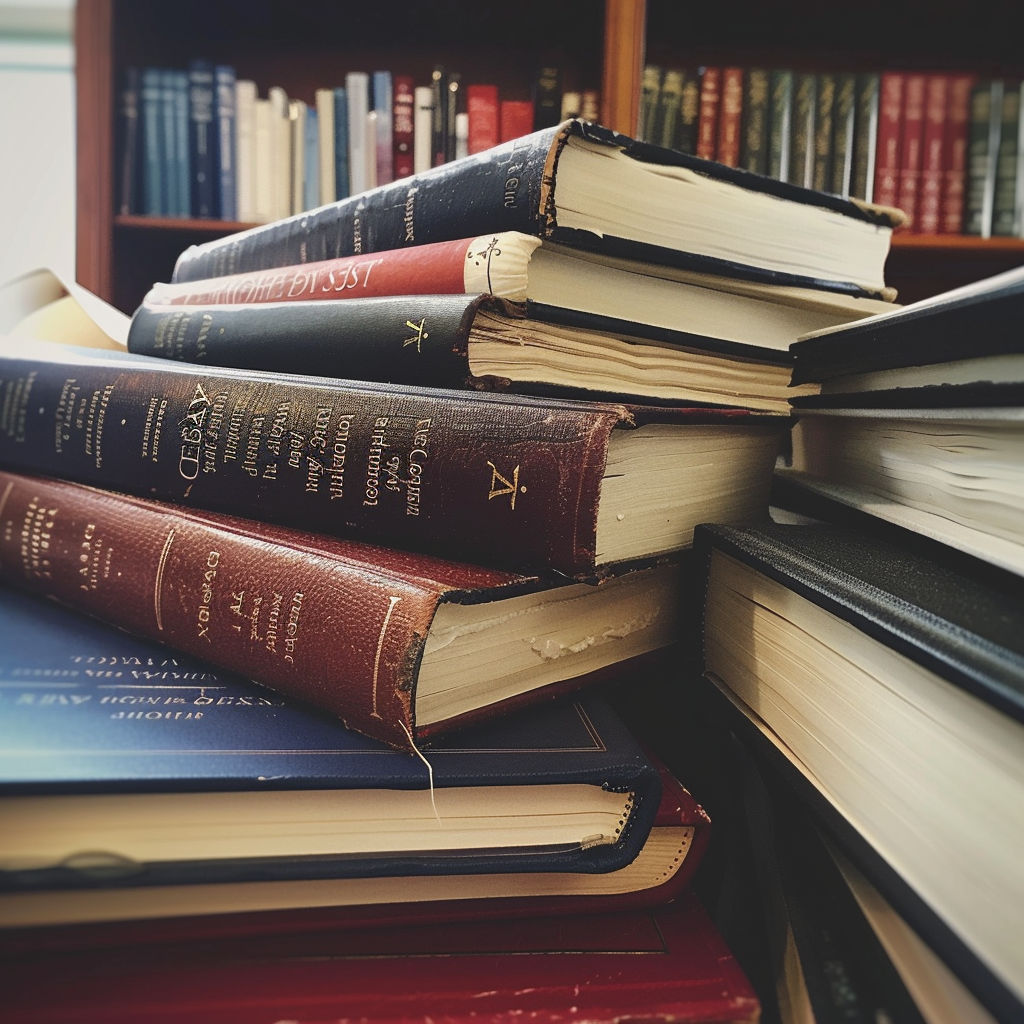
(710, 107)
(911, 139)
(887, 148)
(408, 635)
(670, 964)
(730, 117)
(929, 206)
(402, 124)
(954, 154)
(482, 106)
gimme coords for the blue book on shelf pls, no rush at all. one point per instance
(383, 104)
(179, 202)
(342, 188)
(227, 158)
(311, 141)
(125, 764)
(203, 133)
(154, 142)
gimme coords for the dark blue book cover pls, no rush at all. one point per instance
(87, 710)
(224, 79)
(341, 179)
(154, 142)
(179, 157)
(203, 132)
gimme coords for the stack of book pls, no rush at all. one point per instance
(867, 649)
(429, 519)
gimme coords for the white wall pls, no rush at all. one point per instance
(37, 138)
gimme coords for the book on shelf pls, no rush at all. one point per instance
(754, 138)
(664, 129)
(403, 126)
(887, 689)
(865, 137)
(561, 183)
(616, 968)
(128, 159)
(911, 131)
(246, 95)
(955, 143)
(710, 106)
(913, 404)
(342, 177)
(422, 121)
(983, 127)
(482, 108)
(933, 155)
(384, 140)
(515, 119)
(1006, 198)
(437, 643)
(224, 78)
(891, 90)
(801, 141)
(843, 130)
(326, 133)
(298, 118)
(650, 97)
(357, 93)
(547, 96)
(780, 124)
(177, 101)
(823, 141)
(730, 117)
(453, 104)
(280, 193)
(118, 744)
(572, 104)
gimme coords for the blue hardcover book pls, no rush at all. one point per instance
(179, 161)
(341, 177)
(124, 764)
(203, 134)
(227, 158)
(311, 141)
(154, 142)
(383, 104)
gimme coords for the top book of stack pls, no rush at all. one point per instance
(591, 188)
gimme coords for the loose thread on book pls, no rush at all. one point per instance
(430, 770)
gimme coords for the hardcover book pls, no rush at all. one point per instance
(436, 643)
(99, 722)
(754, 131)
(710, 109)
(865, 137)
(780, 124)
(670, 964)
(911, 144)
(891, 92)
(955, 154)
(567, 184)
(888, 690)
(936, 106)
(730, 117)
(983, 129)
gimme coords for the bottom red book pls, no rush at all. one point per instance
(667, 964)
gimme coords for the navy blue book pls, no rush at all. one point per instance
(203, 132)
(126, 765)
(179, 156)
(341, 178)
(154, 143)
(224, 81)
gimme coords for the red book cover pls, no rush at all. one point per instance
(954, 154)
(730, 116)
(929, 200)
(482, 107)
(515, 119)
(669, 964)
(710, 102)
(911, 139)
(887, 149)
(403, 108)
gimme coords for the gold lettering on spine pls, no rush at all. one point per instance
(418, 337)
(501, 485)
(159, 581)
(392, 601)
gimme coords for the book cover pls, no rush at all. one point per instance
(204, 132)
(403, 125)
(547, 96)
(825, 98)
(754, 138)
(154, 144)
(280, 176)
(865, 137)
(983, 130)
(515, 119)
(886, 627)
(454, 103)
(936, 105)
(227, 159)
(325, 155)
(668, 113)
(1006, 202)
(311, 151)
(357, 94)
(532, 170)
(129, 164)
(342, 177)
(888, 157)
(178, 145)
(482, 108)
(911, 141)
(650, 97)
(384, 143)
(422, 122)
(298, 118)
(689, 113)
(710, 107)
(801, 143)
(954, 154)
(730, 117)
(263, 161)
(245, 149)
(667, 964)
(843, 123)
(780, 122)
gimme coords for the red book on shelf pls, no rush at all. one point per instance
(707, 123)
(954, 154)
(669, 964)
(482, 107)
(911, 139)
(515, 119)
(730, 116)
(402, 125)
(929, 200)
(887, 149)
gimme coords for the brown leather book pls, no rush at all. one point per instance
(400, 646)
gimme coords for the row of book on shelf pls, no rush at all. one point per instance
(445, 497)
(942, 147)
(200, 142)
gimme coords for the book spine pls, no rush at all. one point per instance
(297, 117)
(982, 147)
(821, 175)
(263, 165)
(342, 179)
(547, 96)
(936, 105)
(865, 137)
(843, 118)
(689, 113)
(890, 118)
(202, 139)
(710, 104)
(424, 112)
(730, 117)
(324, 99)
(516, 119)
(357, 88)
(482, 108)
(439, 118)
(153, 144)
(572, 105)
(504, 186)
(650, 98)
(492, 479)
(911, 142)
(436, 269)
(667, 113)
(461, 135)
(954, 154)
(384, 105)
(244, 597)
(311, 189)
(780, 124)
(180, 180)
(227, 158)
(590, 105)
(1005, 199)
(754, 130)
(403, 126)
(452, 109)
(280, 153)
(801, 145)
(129, 166)
(245, 150)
